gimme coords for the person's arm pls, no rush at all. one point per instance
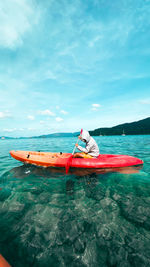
(82, 149)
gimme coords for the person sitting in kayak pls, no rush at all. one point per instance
(91, 149)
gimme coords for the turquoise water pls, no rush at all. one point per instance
(50, 219)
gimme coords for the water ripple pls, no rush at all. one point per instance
(50, 219)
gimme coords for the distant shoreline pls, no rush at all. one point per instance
(21, 138)
(141, 127)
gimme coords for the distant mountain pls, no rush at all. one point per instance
(57, 135)
(134, 128)
(44, 136)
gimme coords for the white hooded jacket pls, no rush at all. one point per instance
(91, 146)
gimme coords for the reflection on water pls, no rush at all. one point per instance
(102, 218)
(25, 170)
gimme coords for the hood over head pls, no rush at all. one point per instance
(85, 135)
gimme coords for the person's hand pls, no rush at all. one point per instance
(79, 137)
(76, 145)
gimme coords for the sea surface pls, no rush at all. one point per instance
(48, 218)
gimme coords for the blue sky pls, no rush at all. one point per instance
(67, 65)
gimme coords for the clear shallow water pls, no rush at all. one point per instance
(50, 219)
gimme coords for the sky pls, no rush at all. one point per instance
(72, 64)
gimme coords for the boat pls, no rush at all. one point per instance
(66, 160)
(123, 134)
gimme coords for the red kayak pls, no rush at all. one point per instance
(3, 262)
(50, 159)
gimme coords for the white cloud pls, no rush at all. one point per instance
(30, 117)
(9, 130)
(42, 122)
(31, 129)
(4, 115)
(59, 119)
(94, 41)
(95, 106)
(145, 101)
(68, 49)
(50, 75)
(47, 112)
(64, 112)
(17, 17)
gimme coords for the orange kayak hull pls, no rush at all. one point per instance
(50, 159)
(3, 262)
